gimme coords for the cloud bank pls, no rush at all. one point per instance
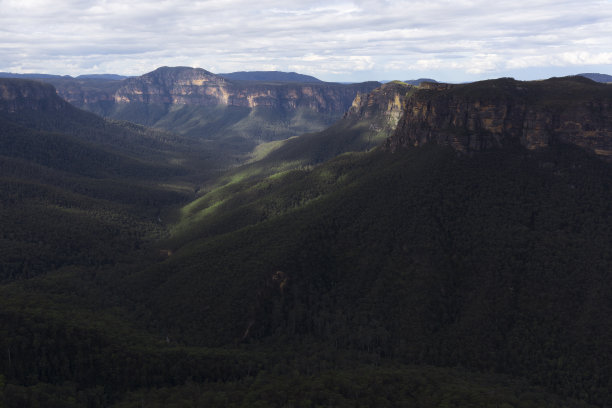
(333, 40)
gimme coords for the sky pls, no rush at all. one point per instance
(333, 40)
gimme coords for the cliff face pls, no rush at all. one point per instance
(491, 114)
(174, 86)
(198, 87)
(18, 94)
(381, 108)
(189, 86)
(370, 120)
(86, 91)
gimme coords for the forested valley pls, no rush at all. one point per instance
(138, 267)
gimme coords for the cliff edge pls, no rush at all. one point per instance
(503, 112)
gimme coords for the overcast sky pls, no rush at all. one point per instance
(458, 40)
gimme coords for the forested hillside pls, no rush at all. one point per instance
(233, 114)
(329, 272)
(79, 190)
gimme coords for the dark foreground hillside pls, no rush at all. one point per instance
(76, 189)
(497, 264)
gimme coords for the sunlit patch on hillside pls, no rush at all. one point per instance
(263, 149)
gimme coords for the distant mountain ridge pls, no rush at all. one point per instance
(598, 77)
(163, 85)
(270, 76)
(32, 76)
(417, 82)
(235, 115)
(196, 86)
(112, 77)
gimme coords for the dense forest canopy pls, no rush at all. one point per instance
(135, 270)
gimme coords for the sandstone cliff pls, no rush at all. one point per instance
(236, 115)
(174, 86)
(19, 94)
(368, 122)
(491, 114)
(382, 108)
(86, 92)
(196, 86)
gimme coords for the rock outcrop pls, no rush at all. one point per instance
(196, 86)
(381, 108)
(20, 94)
(491, 114)
(174, 86)
(370, 120)
(86, 92)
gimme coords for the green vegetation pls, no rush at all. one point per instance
(80, 191)
(493, 262)
(418, 278)
(230, 132)
(376, 258)
(363, 128)
(357, 387)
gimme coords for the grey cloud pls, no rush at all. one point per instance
(347, 38)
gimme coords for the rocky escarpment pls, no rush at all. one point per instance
(174, 86)
(382, 108)
(86, 92)
(196, 86)
(20, 94)
(491, 114)
(370, 120)
(168, 88)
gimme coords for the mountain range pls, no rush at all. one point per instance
(436, 245)
(234, 116)
(598, 77)
(270, 76)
